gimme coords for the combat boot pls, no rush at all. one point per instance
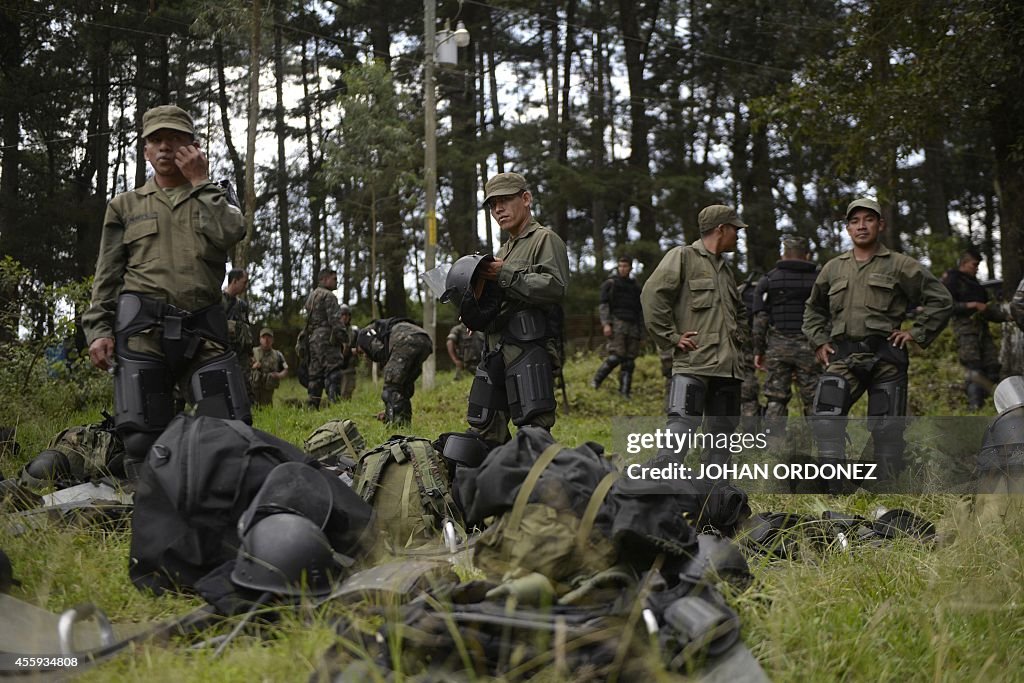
(602, 372)
(626, 383)
(976, 396)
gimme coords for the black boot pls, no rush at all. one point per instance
(625, 383)
(976, 396)
(606, 369)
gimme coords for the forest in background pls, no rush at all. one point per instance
(626, 117)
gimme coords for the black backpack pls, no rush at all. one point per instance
(198, 478)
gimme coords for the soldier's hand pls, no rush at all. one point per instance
(979, 306)
(101, 352)
(759, 361)
(607, 330)
(192, 163)
(899, 338)
(460, 365)
(823, 352)
(491, 269)
(688, 341)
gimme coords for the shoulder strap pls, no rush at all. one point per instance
(519, 506)
(435, 494)
(371, 468)
(593, 506)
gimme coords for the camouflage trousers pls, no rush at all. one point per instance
(404, 366)
(348, 381)
(625, 339)
(976, 348)
(749, 390)
(789, 359)
(325, 366)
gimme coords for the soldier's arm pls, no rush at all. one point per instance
(332, 309)
(542, 282)
(760, 291)
(759, 333)
(932, 298)
(221, 222)
(816, 311)
(98, 320)
(604, 309)
(450, 345)
(658, 298)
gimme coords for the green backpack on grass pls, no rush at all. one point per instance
(336, 442)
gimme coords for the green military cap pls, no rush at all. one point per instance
(710, 217)
(267, 331)
(796, 243)
(863, 203)
(504, 184)
(167, 116)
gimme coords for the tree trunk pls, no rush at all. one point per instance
(283, 224)
(241, 259)
(237, 165)
(935, 187)
(314, 192)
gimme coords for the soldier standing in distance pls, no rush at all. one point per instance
(622, 324)
(692, 306)
(268, 369)
(348, 355)
(239, 328)
(972, 312)
(780, 346)
(852, 319)
(163, 249)
(750, 400)
(465, 348)
(326, 338)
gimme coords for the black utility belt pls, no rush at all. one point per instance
(137, 312)
(877, 345)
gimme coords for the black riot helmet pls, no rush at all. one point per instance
(287, 554)
(459, 281)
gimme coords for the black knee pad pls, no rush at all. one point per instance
(686, 396)
(143, 393)
(628, 365)
(487, 395)
(529, 385)
(831, 396)
(887, 409)
(218, 389)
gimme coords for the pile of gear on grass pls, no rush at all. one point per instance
(570, 565)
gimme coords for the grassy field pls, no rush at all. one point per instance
(904, 611)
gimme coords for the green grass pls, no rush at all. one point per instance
(903, 612)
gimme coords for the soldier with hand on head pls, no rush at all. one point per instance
(400, 346)
(268, 369)
(622, 324)
(156, 314)
(853, 319)
(692, 306)
(465, 348)
(780, 346)
(972, 312)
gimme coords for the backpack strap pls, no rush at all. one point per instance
(348, 442)
(593, 506)
(435, 494)
(371, 468)
(515, 517)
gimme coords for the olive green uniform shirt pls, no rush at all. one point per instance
(535, 272)
(854, 299)
(695, 290)
(173, 250)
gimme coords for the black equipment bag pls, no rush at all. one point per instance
(197, 479)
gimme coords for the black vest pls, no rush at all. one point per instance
(964, 288)
(789, 286)
(623, 298)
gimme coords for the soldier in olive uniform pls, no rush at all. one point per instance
(692, 306)
(236, 309)
(531, 272)
(622, 324)
(163, 249)
(972, 312)
(268, 369)
(400, 346)
(852, 319)
(750, 399)
(780, 346)
(465, 348)
(348, 354)
(327, 337)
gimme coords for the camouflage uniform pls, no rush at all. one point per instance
(620, 308)
(240, 337)
(469, 348)
(750, 404)
(263, 382)
(778, 316)
(401, 353)
(855, 306)
(326, 337)
(350, 361)
(975, 347)
(1017, 305)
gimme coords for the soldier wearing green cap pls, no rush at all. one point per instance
(268, 369)
(692, 306)
(156, 300)
(515, 380)
(853, 319)
(780, 347)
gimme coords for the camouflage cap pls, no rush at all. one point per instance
(267, 331)
(167, 116)
(504, 184)
(863, 203)
(710, 217)
(796, 243)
